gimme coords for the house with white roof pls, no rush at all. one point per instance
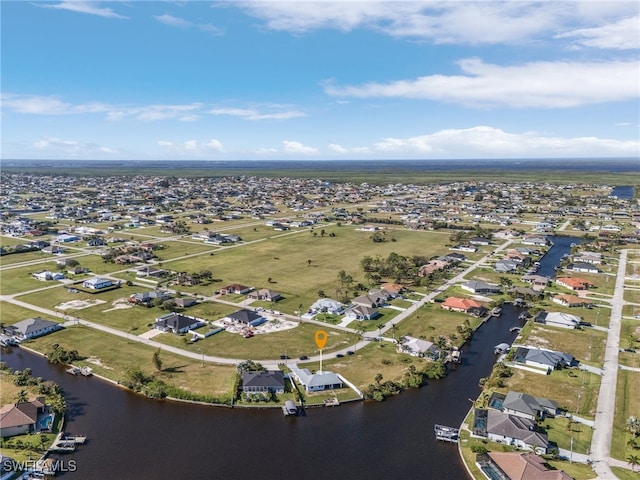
(316, 382)
(558, 319)
(327, 305)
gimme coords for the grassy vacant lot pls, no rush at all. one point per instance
(630, 333)
(561, 432)
(375, 358)
(431, 320)
(295, 342)
(562, 386)
(586, 345)
(627, 404)
(285, 260)
(10, 314)
(17, 280)
(106, 359)
(24, 257)
(175, 249)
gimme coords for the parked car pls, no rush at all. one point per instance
(350, 352)
(339, 355)
(303, 357)
(284, 357)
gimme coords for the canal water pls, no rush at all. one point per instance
(131, 437)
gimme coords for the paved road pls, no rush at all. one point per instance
(605, 410)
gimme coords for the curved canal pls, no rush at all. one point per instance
(133, 437)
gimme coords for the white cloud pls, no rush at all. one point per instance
(174, 21)
(252, 114)
(538, 84)
(191, 146)
(471, 22)
(337, 148)
(297, 148)
(215, 144)
(79, 6)
(488, 142)
(165, 143)
(56, 146)
(621, 35)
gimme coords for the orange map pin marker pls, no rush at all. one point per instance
(321, 339)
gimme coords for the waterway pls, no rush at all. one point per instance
(131, 437)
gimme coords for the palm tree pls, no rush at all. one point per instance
(22, 396)
(380, 327)
(378, 378)
(633, 461)
(394, 328)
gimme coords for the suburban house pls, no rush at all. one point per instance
(184, 302)
(506, 265)
(518, 466)
(558, 319)
(271, 381)
(358, 312)
(464, 305)
(265, 294)
(316, 382)
(567, 300)
(537, 240)
(574, 283)
(480, 287)
(248, 317)
(20, 418)
(97, 283)
(516, 431)
(46, 276)
(538, 282)
(526, 406)
(392, 289)
(147, 298)
(480, 241)
(583, 267)
(370, 300)
(149, 271)
(594, 258)
(326, 305)
(177, 323)
(545, 359)
(418, 348)
(236, 288)
(33, 327)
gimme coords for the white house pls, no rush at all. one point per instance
(97, 283)
(33, 327)
(418, 348)
(316, 382)
(327, 305)
(558, 319)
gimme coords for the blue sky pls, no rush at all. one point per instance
(320, 80)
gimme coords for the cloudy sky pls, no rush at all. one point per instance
(320, 80)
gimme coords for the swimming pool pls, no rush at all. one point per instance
(46, 422)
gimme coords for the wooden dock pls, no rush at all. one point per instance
(446, 434)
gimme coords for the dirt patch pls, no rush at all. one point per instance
(78, 304)
(96, 361)
(534, 341)
(269, 326)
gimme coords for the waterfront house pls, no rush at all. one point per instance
(538, 282)
(545, 359)
(177, 323)
(248, 317)
(595, 258)
(418, 348)
(271, 381)
(32, 328)
(97, 283)
(537, 240)
(20, 418)
(316, 382)
(518, 466)
(527, 406)
(506, 265)
(515, 431)
(464, 305)
(558, 319)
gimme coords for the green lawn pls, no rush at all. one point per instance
(294, 343)
(106, 358)
(563, 386)
(627, 404)
(561, 432)
(586, 345)
(10, 314)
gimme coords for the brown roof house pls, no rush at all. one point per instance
(20, 418)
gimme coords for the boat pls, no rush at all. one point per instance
(455, 356)
(73, 370)
(501, 348)
(515, 329)
(86, 371)
(289, 408)
(496, 312)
